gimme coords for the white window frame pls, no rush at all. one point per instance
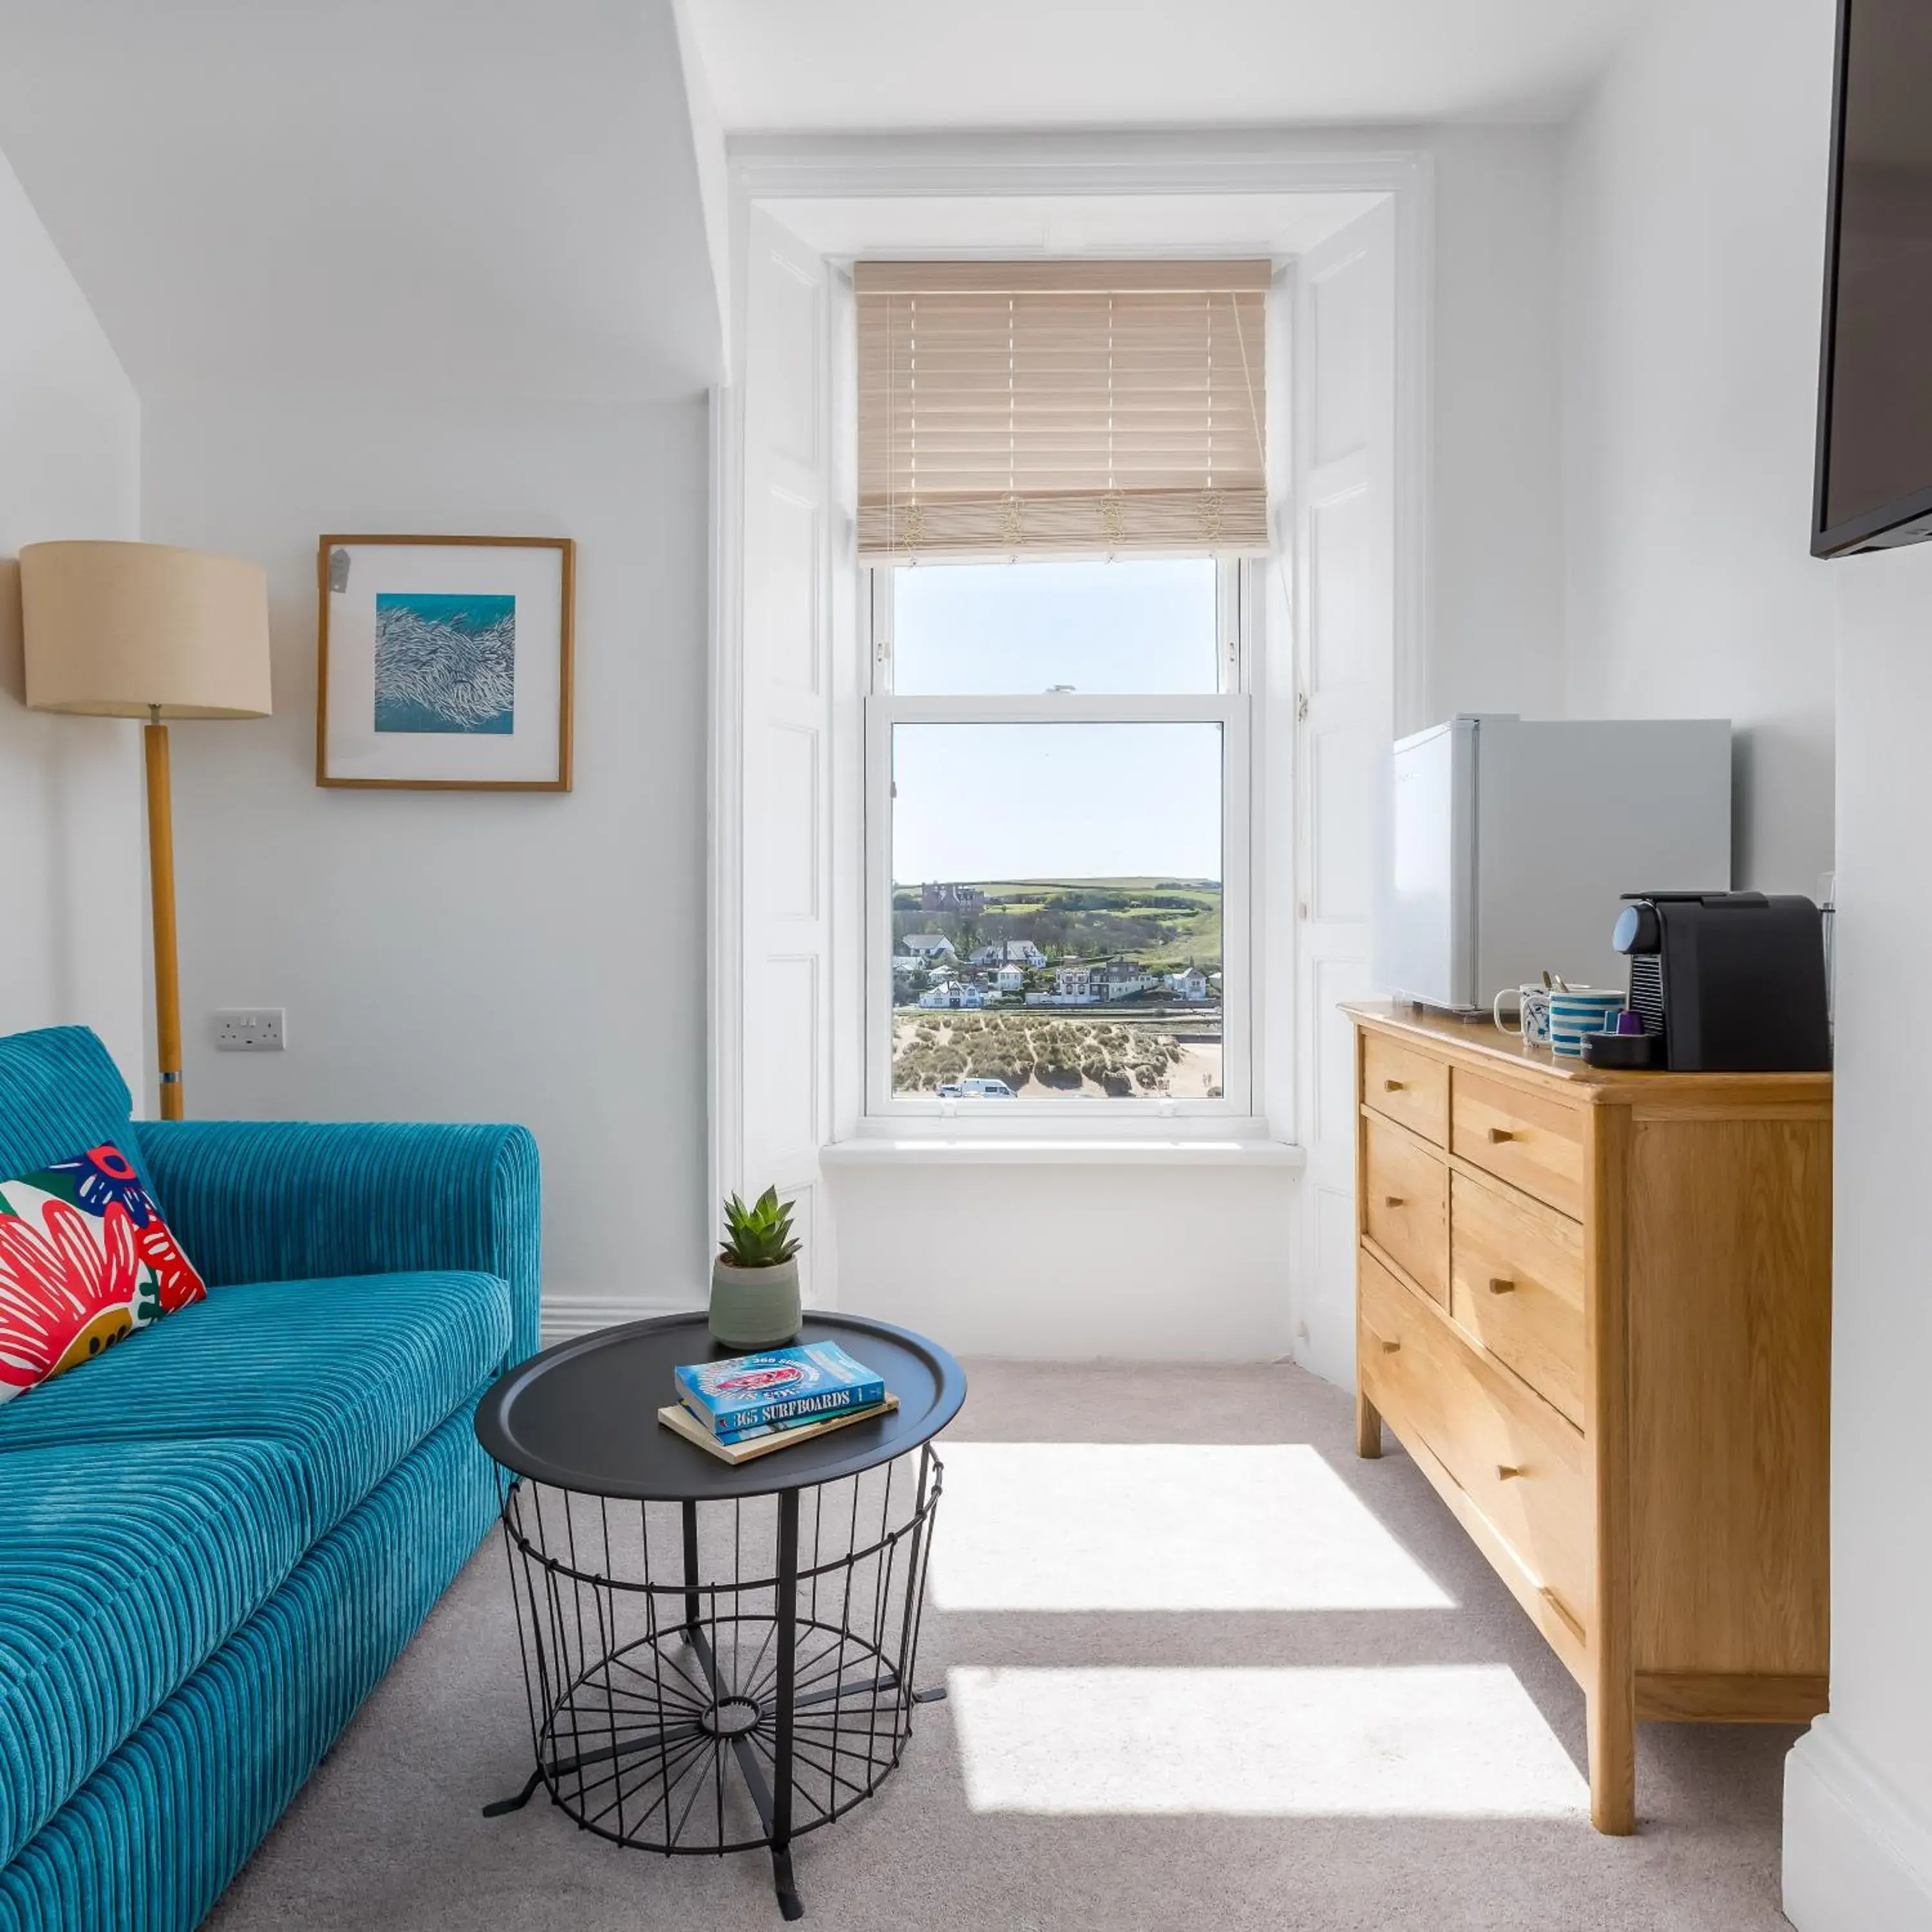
(853, 190)
(1240, 662)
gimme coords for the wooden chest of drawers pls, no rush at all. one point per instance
(1596, 1309)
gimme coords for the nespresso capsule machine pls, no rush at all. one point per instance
(1730, 983)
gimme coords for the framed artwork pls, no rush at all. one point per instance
(445, 663)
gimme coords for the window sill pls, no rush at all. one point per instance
(934, 1150)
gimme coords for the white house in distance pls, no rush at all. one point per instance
(1073, 981)
(1013, 952)
(1190, 984)
(952, 993)
(1010, 979)
(930, 946)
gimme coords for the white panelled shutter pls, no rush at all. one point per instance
(1344, 512)
(784, 1085)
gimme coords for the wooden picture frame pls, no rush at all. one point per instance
(399, 614)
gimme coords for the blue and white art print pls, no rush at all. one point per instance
(445, 662)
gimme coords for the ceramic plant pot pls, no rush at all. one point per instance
(755, 1307)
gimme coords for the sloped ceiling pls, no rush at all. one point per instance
(457, 196)
(856, 65)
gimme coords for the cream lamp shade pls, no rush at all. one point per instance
(137, 630)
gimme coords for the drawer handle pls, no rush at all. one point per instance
(1500, 1284)
(1507, 1471)
(1392, 1086)
(1392, 1201)
(1391, 1348)
(1500, 1134)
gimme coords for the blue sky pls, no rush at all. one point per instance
(1018, 628)
(1056, 801)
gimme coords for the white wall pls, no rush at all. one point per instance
(1072, 1264)
(1693, 224)
(1496, 597)
(466, 955)
(1695, 206)
(1858, 1854)
(73, 928)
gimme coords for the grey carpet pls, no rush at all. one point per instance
(387, 1836)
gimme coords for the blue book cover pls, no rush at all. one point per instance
(759, 1430)
(749, 1393)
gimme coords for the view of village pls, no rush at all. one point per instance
(1060, 989)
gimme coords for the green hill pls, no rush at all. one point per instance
(1166, 923)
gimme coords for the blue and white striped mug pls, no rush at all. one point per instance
(1579, 1010)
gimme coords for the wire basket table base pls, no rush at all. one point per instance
(721, 1676)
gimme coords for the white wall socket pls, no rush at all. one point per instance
(249, 1030)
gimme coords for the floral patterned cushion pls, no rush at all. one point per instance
(85, 1259)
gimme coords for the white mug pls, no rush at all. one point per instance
(1532, 1013)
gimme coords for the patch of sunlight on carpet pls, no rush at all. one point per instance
(1451, 1740)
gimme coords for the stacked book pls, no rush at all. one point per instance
(753, 1404)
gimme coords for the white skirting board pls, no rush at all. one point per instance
(1858, 1858)
(564, 1315)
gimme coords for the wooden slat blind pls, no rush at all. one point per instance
(1016, 409)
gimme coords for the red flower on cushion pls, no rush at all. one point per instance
(64, 1296)
(175, 1275)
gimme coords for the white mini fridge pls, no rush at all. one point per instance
(1510, 842)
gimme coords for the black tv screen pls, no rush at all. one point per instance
(1873, 486)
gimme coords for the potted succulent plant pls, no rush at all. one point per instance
(754, 1302)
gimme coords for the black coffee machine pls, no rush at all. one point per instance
(1729, 982)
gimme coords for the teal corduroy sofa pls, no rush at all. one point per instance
(215, 1538)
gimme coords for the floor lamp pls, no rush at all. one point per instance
(135, 630)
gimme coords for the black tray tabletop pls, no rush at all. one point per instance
(583, 1415)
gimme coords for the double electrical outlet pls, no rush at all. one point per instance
(249, 1030)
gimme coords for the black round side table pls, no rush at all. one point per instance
(717, 1658)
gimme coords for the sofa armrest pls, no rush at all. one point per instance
(296, 1201)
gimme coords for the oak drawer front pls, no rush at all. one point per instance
(1408, 1086)
(1535, 1143)
(1392, 1352)
(1520, 1463)
(1405, 1204)
(1516, 1284)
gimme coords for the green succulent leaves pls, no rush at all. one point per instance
(759, 1236)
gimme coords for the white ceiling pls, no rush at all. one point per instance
(464, 196)
(506, 197)
(853, 65)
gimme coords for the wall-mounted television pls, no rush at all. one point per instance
(1873, 482)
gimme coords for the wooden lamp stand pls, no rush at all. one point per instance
(161, 889)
